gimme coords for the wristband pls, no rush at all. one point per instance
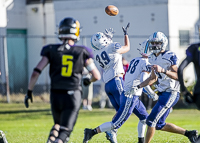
(37, 70)
(90, 67)
(165, 71)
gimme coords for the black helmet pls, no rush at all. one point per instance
(69, 28)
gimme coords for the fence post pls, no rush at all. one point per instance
(6, 69)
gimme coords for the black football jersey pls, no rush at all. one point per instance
(66, 65)
(193, 52)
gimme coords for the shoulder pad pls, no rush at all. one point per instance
(171, 57)
(117, 46)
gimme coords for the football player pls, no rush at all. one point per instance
(165, 65)
(66, 61)
(193, 55)
(124, 105)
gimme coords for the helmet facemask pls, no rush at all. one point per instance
(158, 42)
(156, 47)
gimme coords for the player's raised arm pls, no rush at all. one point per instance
(126, 46)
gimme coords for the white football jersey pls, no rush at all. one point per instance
(133, 74)
(165, 60)
(110, 61)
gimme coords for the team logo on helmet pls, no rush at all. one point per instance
(100, 40)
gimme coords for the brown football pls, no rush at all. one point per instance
(111, 10)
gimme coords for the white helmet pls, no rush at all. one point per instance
(100, 40)
(144, 48)
(158, 41)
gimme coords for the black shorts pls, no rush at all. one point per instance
(65, 107)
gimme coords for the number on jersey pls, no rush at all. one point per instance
(132, 66)
(103, 59)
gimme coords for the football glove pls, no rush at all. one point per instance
(109, 33)
(126, 29)
(188, 98)
(131, 92)
(27, 97)
(86, 81)
(153, 96)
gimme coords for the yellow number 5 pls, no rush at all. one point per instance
(67, 65)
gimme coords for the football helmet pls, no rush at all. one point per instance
(158, 41)
(69, 28)
(144, 48)
(100, 40)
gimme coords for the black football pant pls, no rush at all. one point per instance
(65, 107)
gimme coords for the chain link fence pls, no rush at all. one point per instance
(16, 64)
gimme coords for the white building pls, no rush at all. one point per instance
(36, 23)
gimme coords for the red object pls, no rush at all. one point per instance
(125, 69)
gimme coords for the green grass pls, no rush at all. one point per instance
(32, 125)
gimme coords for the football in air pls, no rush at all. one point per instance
(111, 10)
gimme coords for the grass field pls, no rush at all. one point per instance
(32, 125)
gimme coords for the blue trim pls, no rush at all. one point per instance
(146, 47)
(154, 35)
(168, 60)
(164, 52)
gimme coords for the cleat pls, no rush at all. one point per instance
(140, 139)
(112, 136)
(3, 137)
(193, 135)
(87, 135)
(89, 107)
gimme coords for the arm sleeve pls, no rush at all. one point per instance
(89, 52)
(174, 59)
(45, 52)
(184, 64)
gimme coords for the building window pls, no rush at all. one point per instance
(37, 1)
(184, 37)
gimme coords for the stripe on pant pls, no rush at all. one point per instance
(164, 109)
(124, 113)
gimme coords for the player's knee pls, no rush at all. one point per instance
(160, 126)
(64, 134)
(143, 121)
(53, 133)
(150, 123)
